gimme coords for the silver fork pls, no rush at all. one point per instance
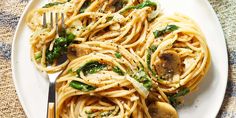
(51, 105)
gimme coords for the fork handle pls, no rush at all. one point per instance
(51, 101)
(51, 113)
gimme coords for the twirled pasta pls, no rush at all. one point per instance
(187, 49)
(99, 21)
(124, 58)
(116, 93)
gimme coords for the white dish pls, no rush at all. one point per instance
(32, 88)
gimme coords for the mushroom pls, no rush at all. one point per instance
(75, 51)
(117, 4)
(168, 65)
(162, 110)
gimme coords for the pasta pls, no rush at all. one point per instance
(111, 82)
(120, 58)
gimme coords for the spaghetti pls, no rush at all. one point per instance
(124, 58)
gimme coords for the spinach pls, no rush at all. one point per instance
(145, 4)
(90, 68)
(60, 41)
(81, 86)
(174, 98)
(60, 47)
(118, 55)
(38, 55)
(84, 6)
(151, 50)
(70, 37)
(170, 28)
(52, 4)
(55, 53)
(118, 70)
(142, 5)
(167, 29)
(143, 78)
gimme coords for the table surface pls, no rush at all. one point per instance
(11, 10)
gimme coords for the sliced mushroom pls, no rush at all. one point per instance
(74, 51)
(169, 64)
(162, 110)
(117, 4)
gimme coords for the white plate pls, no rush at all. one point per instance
(32, 88)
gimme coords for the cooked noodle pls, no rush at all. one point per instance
(122, 56)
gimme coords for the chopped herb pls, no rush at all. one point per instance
(149, 60)
(174, 98)
(109, 18)
(118, 70)
(38, 55)
(168, 29)
(85, 6)
(90, 68)
(118, 55)
(59, 48)
(52, 4)
(143, 78)
(68, 0)
(81, 86)
(153, 48)
(105, 114)
(142, 5)
(70, 71)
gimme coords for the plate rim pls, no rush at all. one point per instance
(30, 3)
(20, 97)
(210, 7)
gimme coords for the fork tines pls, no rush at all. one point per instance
(51, 21)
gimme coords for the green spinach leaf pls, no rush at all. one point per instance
(174, 98)
(81, 86)
(52, 4)
(141, 5)
(151, 49)
(60, 47)
(143, 78)
(168, 29)
(90, 68)
(38, 55)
